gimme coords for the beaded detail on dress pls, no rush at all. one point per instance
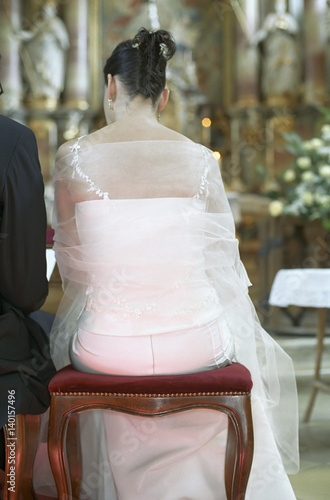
(203, 188)
(109, 303)
(78, 171)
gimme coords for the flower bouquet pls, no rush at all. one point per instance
(304, 187)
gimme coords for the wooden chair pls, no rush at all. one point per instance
(21, 441)
(226, 390)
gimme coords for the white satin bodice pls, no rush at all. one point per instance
(147, 262)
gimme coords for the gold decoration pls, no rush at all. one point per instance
(282, 124)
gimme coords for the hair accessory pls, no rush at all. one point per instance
(135, 45)
(110, 103)
(163, 49)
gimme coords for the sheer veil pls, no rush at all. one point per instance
(144, 171)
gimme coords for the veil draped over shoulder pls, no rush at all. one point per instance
(147, 174)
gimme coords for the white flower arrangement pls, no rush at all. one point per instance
(304, 187)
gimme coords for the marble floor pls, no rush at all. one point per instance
(313, 480)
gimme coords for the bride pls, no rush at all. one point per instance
(153, 284)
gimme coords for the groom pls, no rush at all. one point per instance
(25, 364)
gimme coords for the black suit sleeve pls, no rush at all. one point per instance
(23, 229)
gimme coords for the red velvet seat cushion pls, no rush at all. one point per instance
(49, 236)
(232, 378)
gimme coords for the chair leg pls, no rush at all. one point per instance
(58, 426)
(239, 451)
(21, 446)
(31, 437)
(74, 455)
(231, 452)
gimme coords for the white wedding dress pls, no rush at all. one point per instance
(153, 283)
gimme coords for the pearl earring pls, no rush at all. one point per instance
(110, 103)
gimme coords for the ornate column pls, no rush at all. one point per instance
(76, 93)
(315, 40)
(10, 16)
(246, 67)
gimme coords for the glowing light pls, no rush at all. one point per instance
(216, 155)
(206, 122)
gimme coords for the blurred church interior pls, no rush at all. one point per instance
(248, 76)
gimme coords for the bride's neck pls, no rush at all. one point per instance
(137, 109)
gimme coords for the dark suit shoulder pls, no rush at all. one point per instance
(12, 126)
(12, 133)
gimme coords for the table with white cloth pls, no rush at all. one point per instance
(306, 288)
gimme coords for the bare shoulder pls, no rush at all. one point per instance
(169, 134)
(100, 135)
(130, 130)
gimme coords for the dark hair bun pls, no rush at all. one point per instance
(141, 63)
(159, 43)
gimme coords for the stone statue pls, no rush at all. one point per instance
(280, 61)
(44, 57)
(182, 79)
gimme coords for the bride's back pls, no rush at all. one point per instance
(131, 169)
